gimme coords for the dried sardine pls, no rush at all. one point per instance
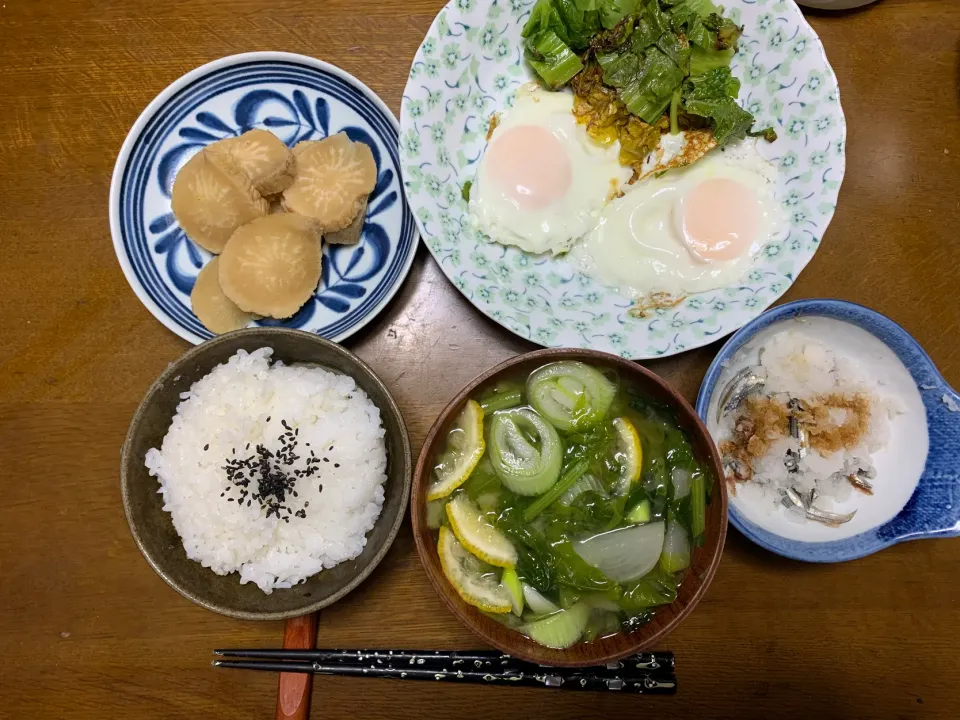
(735, 467)
(860, 482)
(747, 381)
(797, 431)
(829, 518)
(792, 498)
(791, 462)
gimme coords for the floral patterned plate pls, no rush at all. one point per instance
(298, 98)
(470, 65)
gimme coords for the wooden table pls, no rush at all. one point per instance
(87, 630)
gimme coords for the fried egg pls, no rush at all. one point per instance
(693, 229)
(542, 181)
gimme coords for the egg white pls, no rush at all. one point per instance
(597, 176)
(638, 245)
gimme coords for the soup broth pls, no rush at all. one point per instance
(567, 504)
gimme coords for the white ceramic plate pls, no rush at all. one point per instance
(469, 66)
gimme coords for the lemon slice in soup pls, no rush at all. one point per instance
(462, 452)
(472, 581)
(629, 453)
(477, 535)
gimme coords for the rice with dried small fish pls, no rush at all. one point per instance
(855, 419)
(272, 471)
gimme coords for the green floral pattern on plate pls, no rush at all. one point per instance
(469, 66)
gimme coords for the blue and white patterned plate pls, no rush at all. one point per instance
(470, 65)
(298, 98)
(930, 505)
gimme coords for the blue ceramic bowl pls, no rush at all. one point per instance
(934, 508)
(297, 98)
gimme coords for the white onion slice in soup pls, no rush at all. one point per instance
(681, 483)
(626, 553)
(537, 602)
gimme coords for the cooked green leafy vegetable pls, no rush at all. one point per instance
(704, 59)
(712, 95)
(614, 11)
(645, 81)
(607, 118)
(641, 67)
(553, 59)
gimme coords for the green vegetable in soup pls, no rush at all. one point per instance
(676, 548)
(602, 623)
(570, 476)
(502, 396)
(587, 483)
(482, 480)
(536, 564)
(573, 571)
(569, 597)
(640, 513)
(525, 451)
(572, 395)
(511, 581)
(698, 508)
(436, 513)
(590, 513)
(560, 630)
(655, 588)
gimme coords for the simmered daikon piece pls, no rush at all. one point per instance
(334, 177)
(212, 197)
(271, 266)
(263, 157)
(350, 235)
(216, 311)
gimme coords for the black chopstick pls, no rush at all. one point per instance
(479, 659)
(651, 683)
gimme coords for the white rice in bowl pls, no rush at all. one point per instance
(272, 471)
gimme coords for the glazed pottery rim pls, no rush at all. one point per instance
(421, 477)
(801, 550)
(135, 134)
(406, 462)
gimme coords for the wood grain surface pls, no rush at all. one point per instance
(86, 628)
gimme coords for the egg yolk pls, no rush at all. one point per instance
(720, 220)
(531, 166)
